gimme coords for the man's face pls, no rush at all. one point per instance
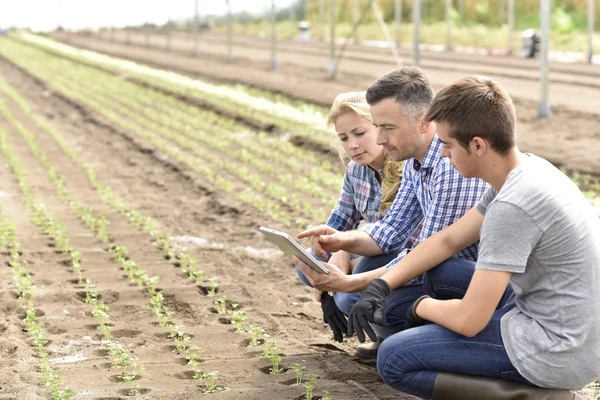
(463, 160)
(396, 134)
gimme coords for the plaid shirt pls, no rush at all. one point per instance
(360, 199)
(432, 192)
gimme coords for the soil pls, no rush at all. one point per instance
(230, 247)
(227, 243)
(570, 138)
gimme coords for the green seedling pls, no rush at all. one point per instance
(180, 337)
(194, 361)
(299, 373)
(210, 382)
(186, 261)
(256, 332)
(140, 277)
(30, 318)
(105, 331)
(151, 283)
(213, 287)
(91, 295)
(270, 353)
(120, 253)
(238, 318)
(326, 397)
(196, 275)
(130, 267)
(222, 304)
(62, 394)
(157, 304)
(164, 318)
(100, 311)
(309, 384)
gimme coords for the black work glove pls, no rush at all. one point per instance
(369, 308)
(412, 319)
(333, 316)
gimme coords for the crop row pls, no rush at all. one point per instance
(120, 355)
(163, 138)
(237, 102)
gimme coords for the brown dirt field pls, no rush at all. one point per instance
(250, 273)
(571, 138)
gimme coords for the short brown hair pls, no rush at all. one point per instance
(408, 86)
(476, 106)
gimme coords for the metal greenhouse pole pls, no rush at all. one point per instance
(229, 32)
(273, 36)
(322, 20)
(448, 26)
(417, 31)
(332, 39)
(196, 28)
(356, 15)
(398, 19)
(591, 15)
(386, 34)
(544, 107)
(511, 26)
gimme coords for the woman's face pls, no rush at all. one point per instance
(359, 139)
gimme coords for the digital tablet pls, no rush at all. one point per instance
(292, 248)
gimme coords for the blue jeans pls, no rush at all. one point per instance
(410, 360)
(396, 304)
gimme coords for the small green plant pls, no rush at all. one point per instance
(91, 295)
(62, 394)
(151, 283)
(210, 382)
(194, 361)
(309, 384)
(299, 373)
(120, 253)
(270, 353)
(222, 303)
(213, 286)
(256, 332)
(326, 397)
(238, 318)
(181, 338)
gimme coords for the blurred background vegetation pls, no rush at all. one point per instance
(479, 23)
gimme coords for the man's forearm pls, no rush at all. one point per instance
(361, 243)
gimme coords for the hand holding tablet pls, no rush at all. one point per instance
(292, 248)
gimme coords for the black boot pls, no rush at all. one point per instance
(450, 386)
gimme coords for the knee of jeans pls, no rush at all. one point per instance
(390, 364)
(302, 276)
(345, 301)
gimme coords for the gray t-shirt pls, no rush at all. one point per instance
(541, 228)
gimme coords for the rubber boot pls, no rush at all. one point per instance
(368, 351)
(450, 386)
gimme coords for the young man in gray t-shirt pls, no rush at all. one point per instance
(537, 233)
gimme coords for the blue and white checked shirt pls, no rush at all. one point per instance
(433, 192)
(359, 199)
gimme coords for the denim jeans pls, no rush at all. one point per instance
(396, 304)
(410, 360)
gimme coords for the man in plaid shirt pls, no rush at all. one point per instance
(432, 192)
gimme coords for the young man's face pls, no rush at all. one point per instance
(463, 160)
(396, 134)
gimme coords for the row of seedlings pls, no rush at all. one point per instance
(23, 278)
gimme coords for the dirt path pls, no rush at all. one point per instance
(571, 138)
(250, 273)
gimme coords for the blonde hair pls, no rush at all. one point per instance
(357, 102)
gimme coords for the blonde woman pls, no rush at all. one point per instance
(370, 184)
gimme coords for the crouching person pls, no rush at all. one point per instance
(537, 233)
